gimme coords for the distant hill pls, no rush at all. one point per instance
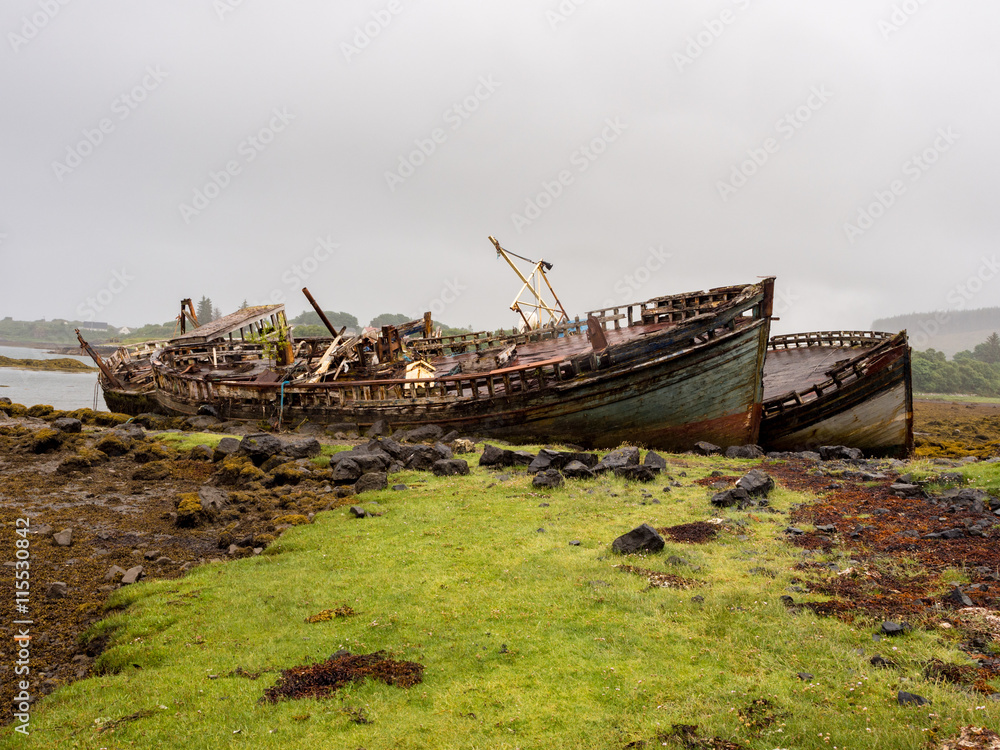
(948, 331)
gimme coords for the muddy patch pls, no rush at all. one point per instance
(698, 532)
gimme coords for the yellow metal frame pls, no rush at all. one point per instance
(556, 314)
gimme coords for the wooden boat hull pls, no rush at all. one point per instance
(132, 403)
(667, 388)
(871, 408)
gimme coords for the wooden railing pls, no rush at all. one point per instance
(828, 338)
(844, 374)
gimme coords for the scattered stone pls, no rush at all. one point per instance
(130, 431)
(358, 512)
(225, 447)
(380, 428)
(307, 448)
(575, 543)
(114, 574)
(655, 461)
(644, 474)
(462, 445)
(68, 424)
(840, 453)
(450, 467)
(427, 432)
(907, 490)
(201, 423)
(132, 575)
(498, 457)
(827, 528)
(880, 663)
(56, 590)
(46, 440)
(911, 699)
(373, 481)
(577, 470)
(201, 453)
(738, 497)
(893, 628)
(63, 538)
(346, 471)
(707, 449)
(756, 483)
(212, 500)
(958, 597)
(259, 447)
(548, 480)
(618, 459)
(805, 676)
(400, 487)
(640, 539)
(744, 451)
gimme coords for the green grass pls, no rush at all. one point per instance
(527, 641)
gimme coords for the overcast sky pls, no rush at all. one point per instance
(242, 149)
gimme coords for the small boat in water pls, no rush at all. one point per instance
(849, 388)
(664, 373)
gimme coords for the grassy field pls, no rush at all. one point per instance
(957, 398)
(527, 641)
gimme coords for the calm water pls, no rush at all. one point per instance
(63, 390)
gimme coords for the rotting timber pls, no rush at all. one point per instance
(838, 388)
(666, 373)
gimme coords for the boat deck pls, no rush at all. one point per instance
(797, 369)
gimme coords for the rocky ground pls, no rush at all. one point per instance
(109, 504)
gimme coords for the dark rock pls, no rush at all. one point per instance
(640, 539)
(655, 461)
(443, 451)
(56, 590)
(259, 447)
(63, 538)
(643, 474)
(744, 451)
(491, 456)
(738, 497)
(548, 479)
(226, 447)
(358, 512)
(880, 663)
(794, 531)
(306, 448)
(373, 481)
(497, 457)
(575, 543)
(427, 432)
(390, 447)
(840, 453)
(68, 424)
(805, 676)
(707, 449)
(274, 462)
(201, 453)
(114, 573)
(400, 487)
(422, 458)
(907, 490)
(911, 699)
(380, 428)
(132, 575)
(826, 528)
(346, 472)
(202, 422)
(958, 597)
(618, 459)
(756, 483)
(577, 470)
(450, 467)
(893, 628)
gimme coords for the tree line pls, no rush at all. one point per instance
(976, 373)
